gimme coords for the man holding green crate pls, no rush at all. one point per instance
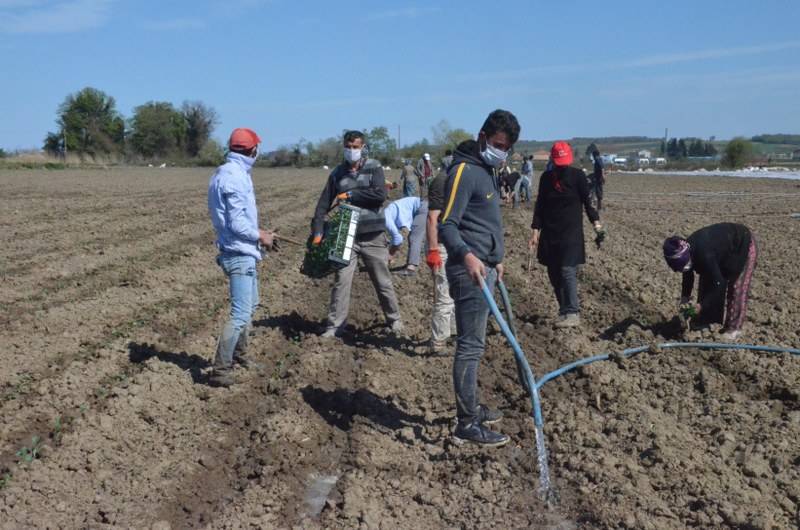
(359, 181)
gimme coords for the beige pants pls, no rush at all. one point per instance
(444, 311)
(374, 251)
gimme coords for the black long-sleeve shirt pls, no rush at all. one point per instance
(719, 253)
(557, 214)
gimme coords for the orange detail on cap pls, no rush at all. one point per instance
(243, 138)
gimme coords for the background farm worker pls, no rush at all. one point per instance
(472, 233)
(724, 256)
(443, 321)
(407, 215)
(409, 181)
(233, 212)
(524, 192)
(424, 173)
(447, 159)
(359, 181)
(598, 178)
(557, 230)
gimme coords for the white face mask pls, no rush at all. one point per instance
(352, 155)
(493, 156)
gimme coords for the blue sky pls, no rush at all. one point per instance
(292, 69)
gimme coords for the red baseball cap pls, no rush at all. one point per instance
(243, 138)
(561, 153)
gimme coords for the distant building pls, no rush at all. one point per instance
(661, 161)
(643, 162)
(541, 156)
(620, 161)
(645, 154)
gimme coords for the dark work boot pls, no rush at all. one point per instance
(488, 416)
(477, 433)
(222, 377)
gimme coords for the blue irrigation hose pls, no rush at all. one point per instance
(523, 380)
(666, 345)
(507, 306)
(521, 359)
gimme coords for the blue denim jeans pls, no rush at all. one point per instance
(472, 315)
(243, 282)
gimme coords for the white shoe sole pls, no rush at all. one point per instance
(462, 441)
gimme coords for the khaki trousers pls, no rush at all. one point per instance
(444, 311)
(374, 251)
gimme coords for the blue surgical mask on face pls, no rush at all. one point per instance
(352, 155)
(493, 156)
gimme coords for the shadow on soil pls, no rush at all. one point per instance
(291, 325)
(669, 329)
(194, 364)
(339, 408)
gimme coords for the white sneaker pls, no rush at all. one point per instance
(571, 320)
(731, 335)
(331, 333)
(397, 327)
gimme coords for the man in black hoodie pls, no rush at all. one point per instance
(472, 232)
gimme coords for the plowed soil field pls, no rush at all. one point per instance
(110, 304)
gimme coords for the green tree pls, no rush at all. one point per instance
(696, 148)
(415, 151)
(3, 153)
(89, 124)
(709, 149)
(682, 149)
(200, 123)
(738, 152)
(381, 145)
(445, 137)
(211, 154)
(673, 151)
(157, 130)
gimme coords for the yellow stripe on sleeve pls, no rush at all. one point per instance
(453, 191)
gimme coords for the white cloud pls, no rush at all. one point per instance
(408, 12)
(641, 62)
(32, 16)
(177, 24)
(701, 55)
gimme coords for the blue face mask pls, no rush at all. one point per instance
(493, 156)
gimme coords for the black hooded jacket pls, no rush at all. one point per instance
(471, 221)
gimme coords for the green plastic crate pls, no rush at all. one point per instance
(336, 250)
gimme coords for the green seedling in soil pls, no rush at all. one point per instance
(688, 311)
(29, 454)
(5, 480)
(20, 388)
(58, 428)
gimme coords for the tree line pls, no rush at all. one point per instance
(89, 125)
(380, 146)
(677, 148)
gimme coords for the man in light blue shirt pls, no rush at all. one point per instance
(233, 212)
(407, 215)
